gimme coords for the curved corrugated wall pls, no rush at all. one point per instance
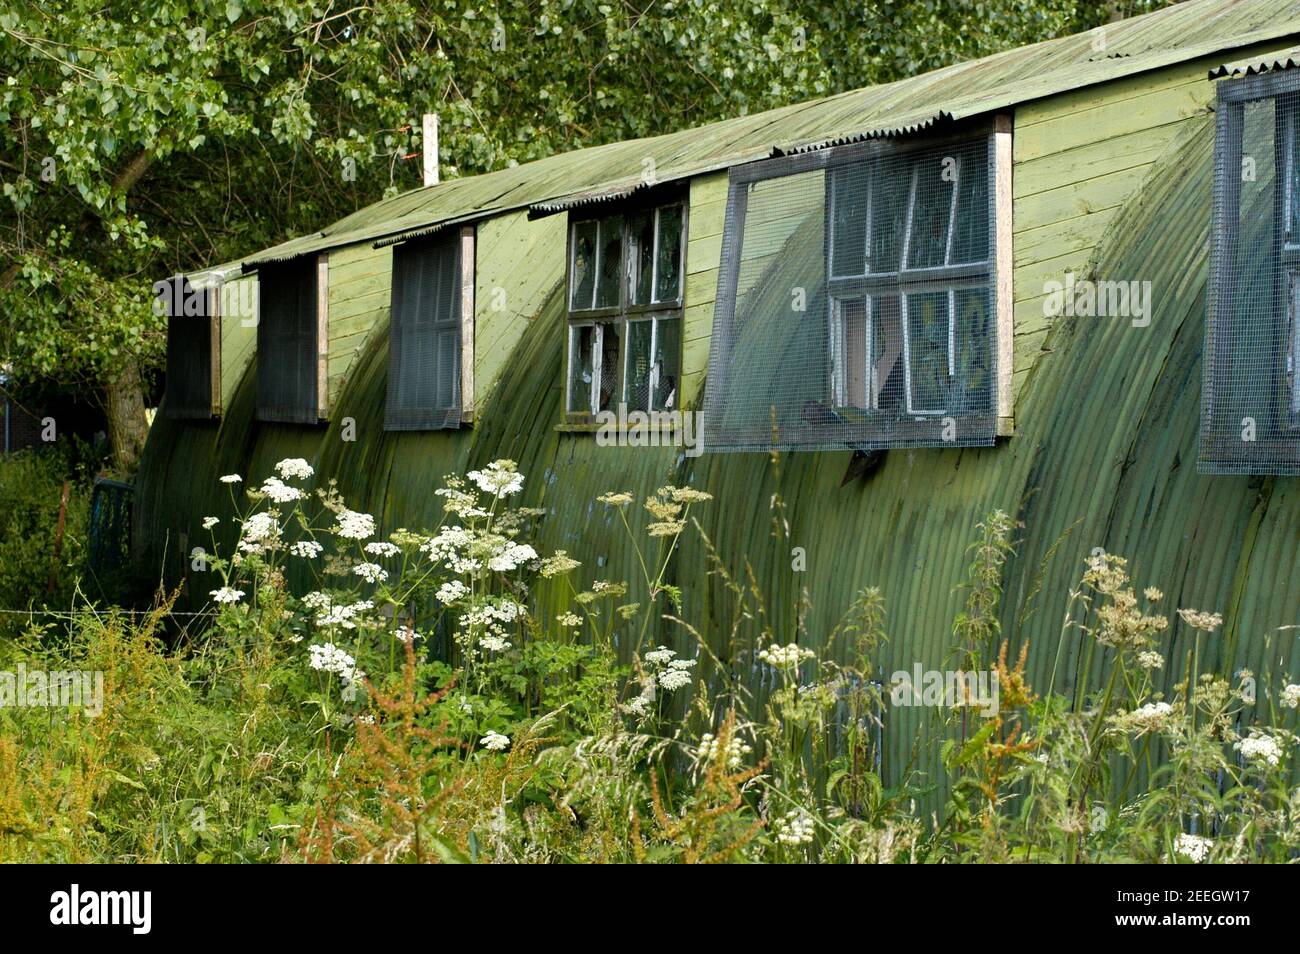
(1104, 457)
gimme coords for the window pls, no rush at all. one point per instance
(859, 300)
(1250, 400)
(193, 347)
(625, 306)
(427, 343)
(290, 342)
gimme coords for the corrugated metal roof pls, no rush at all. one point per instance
(1274, 61)
(1176, 34)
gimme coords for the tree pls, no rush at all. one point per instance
(146, 137)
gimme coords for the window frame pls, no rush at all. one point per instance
(994, 273)
(464, 240)
(211, 290)
(319, 354)
(626, 312)
(1277, 448)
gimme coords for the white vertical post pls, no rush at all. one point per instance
(430, 138)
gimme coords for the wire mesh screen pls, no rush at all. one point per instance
(1250, 401)
(286, 344)
(189, 350)
(856, 302)
(425, 336)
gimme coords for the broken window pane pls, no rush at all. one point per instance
(609, 340)
(639, 341)
(610, 263)
(931, 210)
(929, 365)
(667, 364)
(583, 274)
(581, 369)
(668, 271)
(640, 254)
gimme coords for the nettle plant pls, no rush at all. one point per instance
(470, 578)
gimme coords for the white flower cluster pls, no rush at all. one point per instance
(355, 526)
(498, 478)
(1290, 698)
(737, 749)
(1150, 659)
(495, 742)
(451, 591)
(1259, 747)
(332, 659)
(231, 479)
(1194, 847)
(210, 522)
(569, 619)
(794, 828)
(259, 530)
(1152, 716)
(382, 548)
(784, 657)
(306, 548)
(672, 673)
(279, 491)
(294, 467)
(511, 556)
(446, 549)
(371, 572)
(227, 595)
(495, 644)
(330, 614)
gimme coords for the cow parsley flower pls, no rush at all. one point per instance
(499, 478)
(1291, 696)
(227, 595)
(1150, 659)
(1259, 748)
(210, 522)
(451, 591)
(279, 491)
(511, 556)
(1194, 847)
(1206, 622)
(329, 658)
(355, 526)
(308, 549)
(569, 619)
(494, 644)
(673, 679)
(381, 548)
(661, 656)
(231, 479)
(615, 500)
(370, 572)
(495, 742)
(294, 467)
(558, 563)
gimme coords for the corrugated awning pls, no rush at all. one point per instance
(1284, 60)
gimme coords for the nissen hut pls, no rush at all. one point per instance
(1062, 282)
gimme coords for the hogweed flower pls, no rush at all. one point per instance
(558, 563)
(569, 619)
(1290, 698)
(210, 522)
(227, 595)
(495, 742)
(371, 572)
(615, 500)
(279, 491)
(382, 548)
(1150, 659)
(499, 478)
(231, 479)
(307, 549)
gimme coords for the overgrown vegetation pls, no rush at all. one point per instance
(318, 726)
